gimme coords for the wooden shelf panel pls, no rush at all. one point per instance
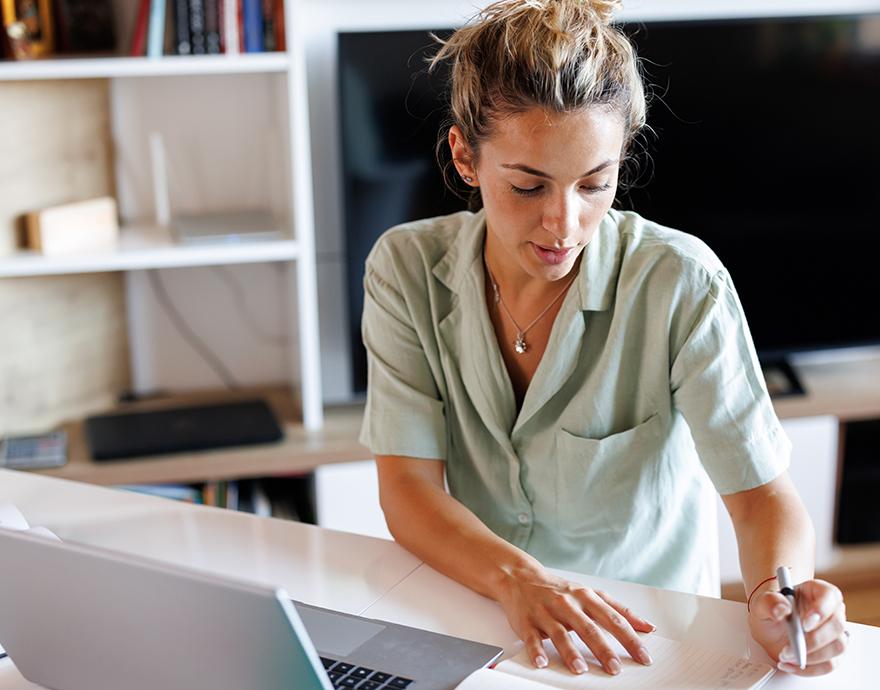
(169, 65)
(848, 389)
(147, 246)
(300, 451)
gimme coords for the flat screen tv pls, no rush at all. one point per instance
(767, 147)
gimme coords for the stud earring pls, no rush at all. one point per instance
(468, 179)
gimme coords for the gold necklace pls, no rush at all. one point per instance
(520, 345)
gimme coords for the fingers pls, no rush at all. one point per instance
(809, 671)
(535, 646)
(635, 621)
(817, 602)
(566, 648)
(771, 606)
(823, 613)
(603, 610)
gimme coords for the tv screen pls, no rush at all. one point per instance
(767, 147)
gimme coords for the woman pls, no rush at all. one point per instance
(583, 379)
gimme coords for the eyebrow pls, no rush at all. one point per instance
(537, 173)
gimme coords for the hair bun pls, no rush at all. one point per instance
(603, 9)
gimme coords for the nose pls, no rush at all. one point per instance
(560, 217)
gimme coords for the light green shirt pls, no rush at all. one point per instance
(648, 394)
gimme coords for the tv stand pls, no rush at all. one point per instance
(782, 380)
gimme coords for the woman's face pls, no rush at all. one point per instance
(546, 179)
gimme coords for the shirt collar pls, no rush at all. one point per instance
(598, 272)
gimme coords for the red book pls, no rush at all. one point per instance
(139, 37)
(280, 27)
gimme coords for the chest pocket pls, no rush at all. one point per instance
(605, 484)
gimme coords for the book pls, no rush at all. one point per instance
(85, 26)
(197, 27)
(676, 665)
(139, 35)
(280, 27)
(269, 35)
(231, 33)
(156, 29)
(212, 27)
(82, 226)
(253, 25)
(181, 27)
(176, 492)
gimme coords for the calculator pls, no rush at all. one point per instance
(34, 452)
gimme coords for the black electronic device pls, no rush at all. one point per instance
(858, 512)
(766, 149)
(183, 429)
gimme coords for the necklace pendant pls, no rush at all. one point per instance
(520, 344)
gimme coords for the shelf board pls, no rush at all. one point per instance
(143, 247)
(300, 451)
(169, 65)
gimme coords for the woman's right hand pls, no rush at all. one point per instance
(540, 605)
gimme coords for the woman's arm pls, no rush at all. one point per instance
(441, 531)
(773, 528)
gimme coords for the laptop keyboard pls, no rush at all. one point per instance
(344, 675)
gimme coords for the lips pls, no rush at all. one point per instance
(551, 256)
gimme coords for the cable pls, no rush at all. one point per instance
(196, 343)
(238, 293)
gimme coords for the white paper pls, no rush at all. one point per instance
(11, 517)
(677, 666)
(486, 679)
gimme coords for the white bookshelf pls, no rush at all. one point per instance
(175, 95)
(147, 247)
(167, 66)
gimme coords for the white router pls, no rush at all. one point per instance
(212, 227)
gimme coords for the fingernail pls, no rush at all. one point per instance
(780, 611)
(541, 661)
(650, 625)
(614, 667)
(811, 622)
(787, 668)
(644, 657)
(579, 666)
(786, 655)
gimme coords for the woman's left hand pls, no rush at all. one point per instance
(823, 614)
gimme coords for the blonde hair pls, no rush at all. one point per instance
(562, 55)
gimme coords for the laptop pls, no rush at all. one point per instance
(76, 617)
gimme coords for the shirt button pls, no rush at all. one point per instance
(523, 518)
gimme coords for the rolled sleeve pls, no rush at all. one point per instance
(718, 386)
(404, 413)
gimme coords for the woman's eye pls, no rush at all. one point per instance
(525, 192)
(595, 189)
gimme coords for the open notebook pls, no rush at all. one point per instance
(677, 666)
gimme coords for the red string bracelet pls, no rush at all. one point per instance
(749, 602)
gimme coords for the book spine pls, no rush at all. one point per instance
(139, 37)
(197, 27)
(212, 26)
(269, 25)
(253, 26)
(181, 27)
(280, 26)
(230, 27)
(156, 36)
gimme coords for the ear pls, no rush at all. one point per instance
(462, 156)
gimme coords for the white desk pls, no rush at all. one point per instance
(358, 574)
